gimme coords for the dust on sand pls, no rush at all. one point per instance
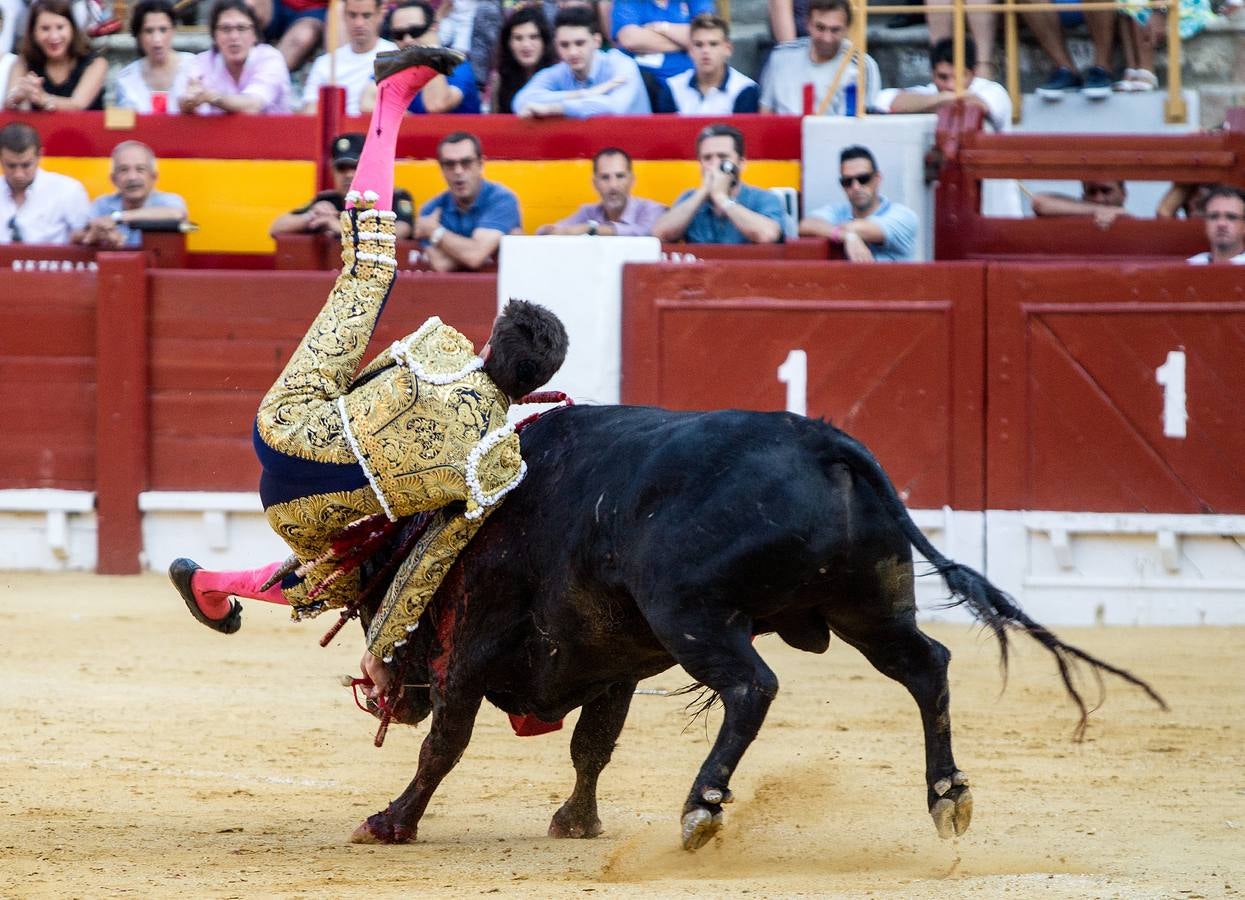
(145, 755)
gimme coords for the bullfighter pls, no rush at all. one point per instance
(420, 427)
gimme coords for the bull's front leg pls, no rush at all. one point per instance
(447, 739)
(596, 733)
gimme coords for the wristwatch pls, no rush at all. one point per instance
(594, 227)
(116, 217)
(437, 234)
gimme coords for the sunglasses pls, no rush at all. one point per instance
(415, 31)
(15, 230)
(848, 180)
(450, 165)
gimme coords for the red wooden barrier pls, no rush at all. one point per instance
(219, 340)
(795, 248)
(47, 380)
(894, 355)
(164, 250)
(1079, 376)
(121, 411)
(323, 252)
(967, 154)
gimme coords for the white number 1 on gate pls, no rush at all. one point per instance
(794, 374)
(1171, 376)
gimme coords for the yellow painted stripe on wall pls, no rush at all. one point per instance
(235, 201)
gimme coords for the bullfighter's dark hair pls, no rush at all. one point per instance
(528, 346)
(858, 152)
(944, 52)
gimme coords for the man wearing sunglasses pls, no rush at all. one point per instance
(870, 227)
(1225, 227)
(323, 213)
(36, 207)
(353, 59)
(411, 24)
(463, 227)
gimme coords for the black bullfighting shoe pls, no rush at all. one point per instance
(181, 573)
(439, 59)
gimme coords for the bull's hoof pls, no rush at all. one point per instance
(699, 825)
(568, 824)
(953, 810)
(381, 829)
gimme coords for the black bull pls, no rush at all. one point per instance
(642, 538)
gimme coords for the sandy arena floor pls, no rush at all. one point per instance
(143, 755)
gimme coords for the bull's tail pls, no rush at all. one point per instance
(991, 606)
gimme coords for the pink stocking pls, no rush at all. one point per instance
(393, 96)
(213, 589)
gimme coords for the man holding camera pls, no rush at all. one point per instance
(723, 210)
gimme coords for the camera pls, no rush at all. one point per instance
(729, 168)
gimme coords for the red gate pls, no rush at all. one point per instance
(892, 354)
(1116, 389)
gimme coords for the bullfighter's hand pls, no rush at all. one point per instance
(378, 672)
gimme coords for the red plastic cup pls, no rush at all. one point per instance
(159, 103)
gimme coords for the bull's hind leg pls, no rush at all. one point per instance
(447, 738)
(721, 658)
(600, 723)
(899, 650)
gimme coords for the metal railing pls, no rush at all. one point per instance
(1174, 109)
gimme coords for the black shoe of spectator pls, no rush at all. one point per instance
(1062, 81)
(1097, 83)
(439, 59)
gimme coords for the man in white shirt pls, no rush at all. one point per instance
(799, 75)
(1225, 227)
(354, 59)
(36, 207)
(991, 96)
(711, 87)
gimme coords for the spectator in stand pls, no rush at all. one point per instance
(354, 58)
(723, 210)
(36, 207)
(1143, 31)
(588, 81)
(491, 17)
(788, 20)
(618, 212)
(798, 76)
(239, 74)
(523, 49)
(1187, 200)
(7, 56)
(455, 24)
(1103, 200)
(657, 34)
(56, 69)
(323, 212)
(1047, 27)
(870, 227)
(411, 23)
(158, 77)
(712, 88)
(991, 96)
(294, 27)
(981, 25)
(136, 200)
(463, 227)
(1225, 227)
(10, 17)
